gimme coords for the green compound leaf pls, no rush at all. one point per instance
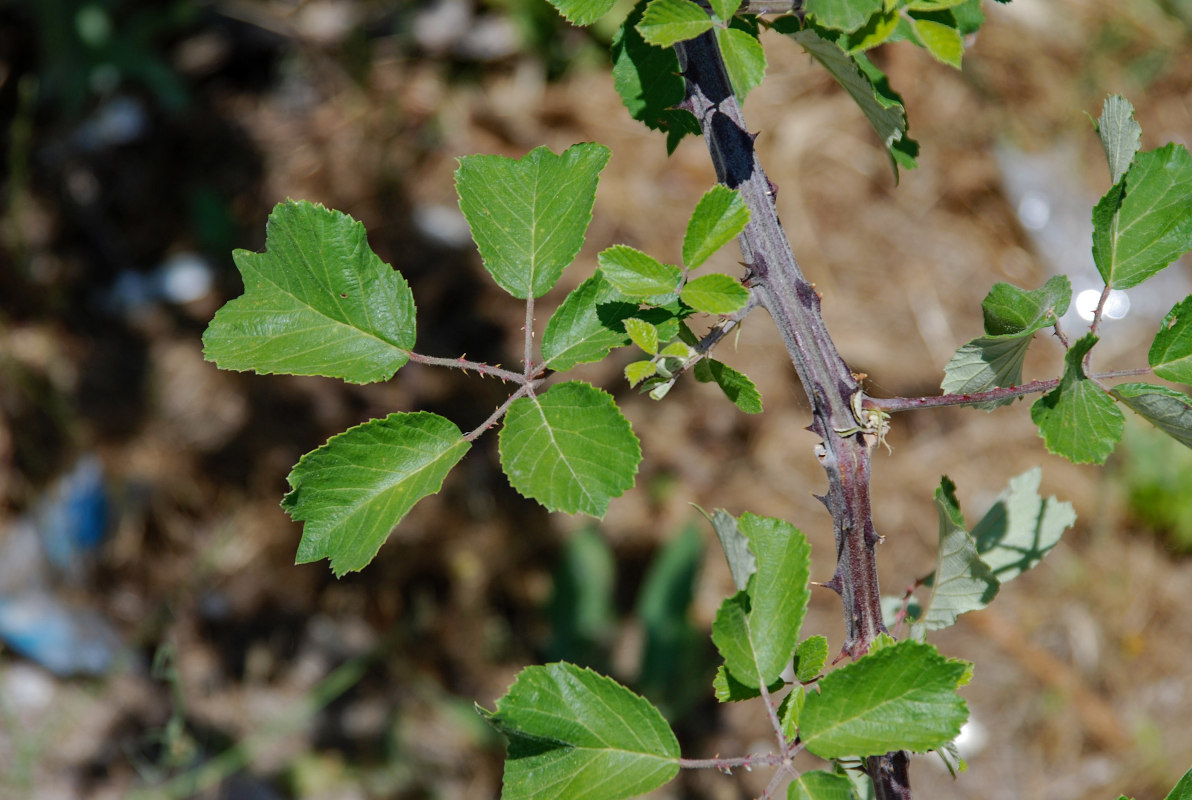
(736, 386)
(318, 301)
(986, 363)
(820, 785)
(962, 581)
(353, 490)
(1009, 310)
(810, 658)
(643, 334)
(668, 21)
(587, 325)
(650, 83)
(635, 274)
(1144, 222)
(942, 41)
(842, 15)
(902, 697)
(528, 216)
(1078, 420)
(719, 216)
(1165, 408)
(569, 448)
(744, 58)
(868, 87)
(715, 294)
(1120, 135)
(1171, 352)
(756, 630)
(583, 12)
(576, 734)
(1021, 527)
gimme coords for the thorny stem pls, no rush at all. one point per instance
(795, 307)
(728, 764)
(473, 366)
(525, 390)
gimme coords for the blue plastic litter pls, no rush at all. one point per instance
(64, 640)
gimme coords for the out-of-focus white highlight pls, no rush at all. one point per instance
(1117, 305)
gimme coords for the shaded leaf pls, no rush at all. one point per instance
(318, 301)
(1165, 408)
(736, 386)
(820, 785)
(842, 15)
(569, 448)
(529, 216)
(986, 363)
(1009, 310)
(576, 734)
(352, 491)
(587, 325)
(742, 563)
(1078, 420)
(1171, 351)
(1120, 135)
(1021, 527)
(901, 697)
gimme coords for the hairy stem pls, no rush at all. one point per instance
(468, 366)
(795, 307)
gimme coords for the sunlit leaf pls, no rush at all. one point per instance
(719, 216)
(587, 325)
(1077, 419)
(1171, 352)
(743, 57)
(715, 294)
(1120, 135)
(669, 21)
(819, 785)
(637, 275)
(842, 15)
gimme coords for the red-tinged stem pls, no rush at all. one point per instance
(469, 366)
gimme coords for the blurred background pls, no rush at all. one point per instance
(156, 639)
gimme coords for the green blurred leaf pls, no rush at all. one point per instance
(575, 734)
(669, 21)
(637, 275)
(353, 490)
(744, 58)
(581, 612)
(876, 31)
(587, 325)
(583, 12)
(1171, 352)
(810, 657)
(719, 216)
(529, 216)
(318, 301)
(725, 9)
(1120, 135)
(842, 15)
(942, 41)
(569, 448)
(715, 294)
(1145, 221)
(1021, 527)
(643, 334)
(756, 630)
(902, 697)
(961, 581)
(1165, 408)
(986, 363)
(649, 82)
(638, 371)
(1009, 310)
(736, 386)
(1077, 419)
(820, 785)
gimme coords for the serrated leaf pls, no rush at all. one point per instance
(868, 87)
(842, 15)
(736, 386)
(1142, 225)
(742, 563)
(756, 630)
(961, 581)
(1171, 351)
(1021, 527)
(986, 363)
(649, 82)
(576, 734)
(318, 301)
(789, 710)
(1009, 310)
(638, 371)
(1165, 408)
(902, 697)
(668, 21)
(1120, 135)
(1078, 420)
(352, 491)
(715, 294)
(569, 448)
(810, 657)
(638, 275)
(820, 785)
(878, 30)
(583, 12)
(744, 58)
(725, 9)
(944, 42)
(587, 325)
(719, 216)
(728, 689)
(643, 334)
(529, 216)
